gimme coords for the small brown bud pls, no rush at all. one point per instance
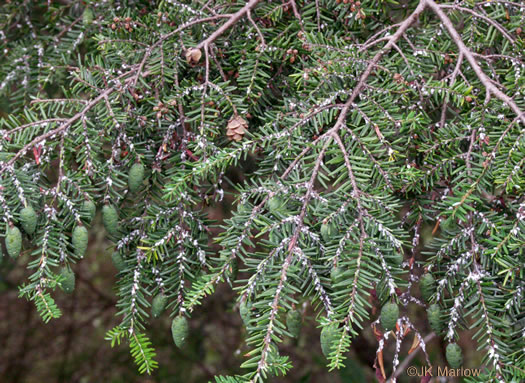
(398, 77)
(468, 99)
(116, 20)
(113, 26)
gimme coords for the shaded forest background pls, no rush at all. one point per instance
(72, 348)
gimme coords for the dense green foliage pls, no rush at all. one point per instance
(354, 126)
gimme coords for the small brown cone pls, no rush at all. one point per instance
(193, 56)
(237, 127)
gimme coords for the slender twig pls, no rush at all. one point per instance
(261, 36)
(232, 20)
(172, 33)
(404, 364)
(65, 125)
(288, 261)
(452, 81)
(297, 14)
(364, 76)
(35, 123)
(485, 18)
(489, 86)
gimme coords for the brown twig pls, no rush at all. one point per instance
(489, 86)
(485, 18)
(232, 20)
(452, 81)
(65, 125)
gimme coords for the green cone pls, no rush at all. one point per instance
(427, 285)
(136, 177)
(68, 283)
(118, 261)
(179, 331)
(87, 16)
(434, 318)
(244, 311)
(158, 305)
(80, 240)
(88, 210)
(110, 219)
(389, 315)
(328, 336)
(294, 321)
(454, 355)
(28, 219)
(13, 241)
(327, 231)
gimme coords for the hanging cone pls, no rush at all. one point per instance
(236, 128)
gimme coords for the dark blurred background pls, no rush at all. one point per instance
(72, 348)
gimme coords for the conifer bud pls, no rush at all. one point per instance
(13, 241)
(28, 219)
(236, 128)
(179, 331)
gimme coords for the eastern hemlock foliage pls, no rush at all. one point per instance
(355, 127)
